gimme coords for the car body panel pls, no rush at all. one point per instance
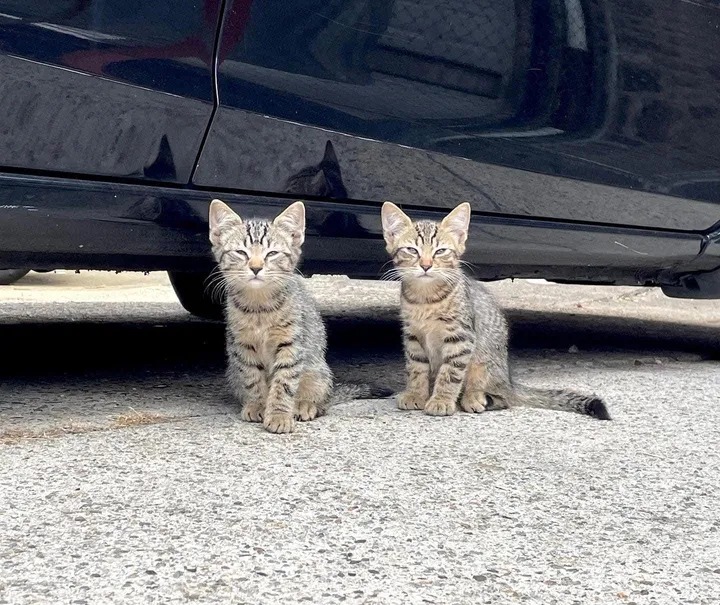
(376, 171)
(437, 98)
(125, 226)
(109, 88)
(583, 132)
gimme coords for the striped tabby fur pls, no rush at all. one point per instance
(275, 336)
(455, 335)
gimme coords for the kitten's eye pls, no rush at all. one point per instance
(271, 253)
(238, 255)
(409, 250)
(440, 251)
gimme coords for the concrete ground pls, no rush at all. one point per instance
(127, 477)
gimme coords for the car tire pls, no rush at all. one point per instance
(195, 294)
(10, 276)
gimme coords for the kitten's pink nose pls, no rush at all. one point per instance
(426, 264)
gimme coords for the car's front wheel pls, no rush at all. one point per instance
(10, 276)
(195, 293)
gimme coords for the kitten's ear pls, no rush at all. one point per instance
(220, 214)
(292, 221)
(394, 222)
(458, 222)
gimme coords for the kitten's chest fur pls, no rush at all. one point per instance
(259, 334)
(431, 323)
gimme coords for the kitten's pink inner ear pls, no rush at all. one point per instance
(220, 212)
(292, 220)
(394, 220)
(458, 222)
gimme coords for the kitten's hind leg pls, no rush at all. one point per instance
(474, 399)
(498, 387)
(313, 395)
(495, 402)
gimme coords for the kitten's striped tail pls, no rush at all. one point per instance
(557, 399)
(344, 392)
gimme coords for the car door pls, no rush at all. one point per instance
(106, 88)
(581, 110)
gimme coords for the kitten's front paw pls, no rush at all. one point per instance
(440, 407)
(474, 403)
(410, 401)
(279, 423)
(252, 412)
(306, 410)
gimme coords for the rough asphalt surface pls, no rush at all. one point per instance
(125, 477)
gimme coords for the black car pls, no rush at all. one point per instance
(584, 133)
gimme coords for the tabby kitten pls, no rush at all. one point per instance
(455, 335)
(275, 336)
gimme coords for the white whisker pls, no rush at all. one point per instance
(470, 266)
(392, 275)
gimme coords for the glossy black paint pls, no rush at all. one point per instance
(620, 93)
(96, 225)
(376, 171)
(583, 132)
(112, 88)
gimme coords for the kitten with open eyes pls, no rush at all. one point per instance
(454, 334)
(275, 337)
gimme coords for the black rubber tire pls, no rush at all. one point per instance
(194, 295)
(10, 276)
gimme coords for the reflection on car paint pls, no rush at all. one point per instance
(613, 93)
(143, 118)
(319, 180)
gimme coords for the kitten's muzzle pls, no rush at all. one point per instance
(256, 264)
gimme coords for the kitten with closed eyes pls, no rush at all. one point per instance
(275, 337)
